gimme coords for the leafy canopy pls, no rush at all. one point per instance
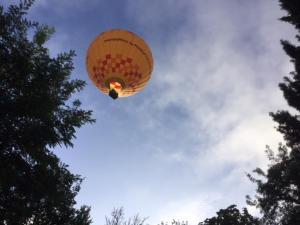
(278, 189)
(231, 216)
(36, 115)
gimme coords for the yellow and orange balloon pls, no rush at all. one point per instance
(119, 63)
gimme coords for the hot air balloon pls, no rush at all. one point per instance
(119, 63)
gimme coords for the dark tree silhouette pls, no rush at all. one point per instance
(36, 114)
(278, 192)
(231, 216)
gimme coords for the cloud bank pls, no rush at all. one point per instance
(214, 84)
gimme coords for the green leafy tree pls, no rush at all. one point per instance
(231, 216)
(36, 115)
(278, 189)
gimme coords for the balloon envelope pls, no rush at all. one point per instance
(119, 61)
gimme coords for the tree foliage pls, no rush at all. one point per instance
(36, 114)
(231, 216)
(278, 189)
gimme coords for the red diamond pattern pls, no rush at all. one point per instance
(116, 63)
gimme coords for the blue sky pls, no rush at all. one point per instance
(181, 148)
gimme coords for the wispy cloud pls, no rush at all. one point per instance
(223, 75)
(63, 7)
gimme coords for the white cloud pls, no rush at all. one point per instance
(224, 74)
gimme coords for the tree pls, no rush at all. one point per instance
(117, 218)
(278, 192)
(231, 216)
(36, 115)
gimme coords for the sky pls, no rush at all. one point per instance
(182, 147)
